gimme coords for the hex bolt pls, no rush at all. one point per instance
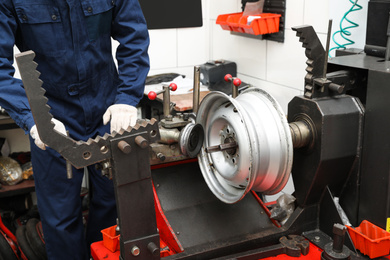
(338, 237)
(106, 169)
(161, 156)
(186, 116)
(124, 147)
(141, 142)
(135, 251)
(153, 249)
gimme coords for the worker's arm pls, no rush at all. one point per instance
(12, 95)
(130, 30)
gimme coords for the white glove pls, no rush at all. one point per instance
(122, 116)
(58, 125)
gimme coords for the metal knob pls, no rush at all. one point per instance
(141, 142)
(336, 88)
(124, 147)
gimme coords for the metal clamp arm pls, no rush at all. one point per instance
(79, 153)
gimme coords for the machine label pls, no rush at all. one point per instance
(388, 225)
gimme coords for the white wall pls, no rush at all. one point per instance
(278, 68)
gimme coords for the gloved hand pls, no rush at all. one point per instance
(58, 125)
(122, 116)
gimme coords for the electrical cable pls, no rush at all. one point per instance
(344, 31)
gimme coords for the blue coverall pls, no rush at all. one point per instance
(71, 39)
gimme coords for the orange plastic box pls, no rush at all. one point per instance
(263, 23)
(222, 21)
(234, 23)
(110, 239)
(370, 240)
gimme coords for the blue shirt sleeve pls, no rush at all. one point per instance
(130, 30)
(12, 95)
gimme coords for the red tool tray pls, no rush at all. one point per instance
(263, 23)
(370, 240)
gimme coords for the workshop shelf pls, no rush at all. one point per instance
(264, 23)
(370, 240)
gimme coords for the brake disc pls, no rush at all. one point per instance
(247, 144)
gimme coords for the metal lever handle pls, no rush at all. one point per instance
(236, 82)
(152, 95)
(166, 97)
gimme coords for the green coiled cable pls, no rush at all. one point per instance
(344, 31)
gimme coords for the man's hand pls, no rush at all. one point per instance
(122, 116)
(59, 126)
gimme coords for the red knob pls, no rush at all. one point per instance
(173, 86)
(152, 95)
(228, 77)
(237, 82)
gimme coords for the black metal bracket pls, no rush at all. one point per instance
(134, 197)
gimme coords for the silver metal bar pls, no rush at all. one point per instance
(327, 48)
(221, 147)
(69, 172)
(196, 94)
(387, 54)
(166, 101)
(234, 90)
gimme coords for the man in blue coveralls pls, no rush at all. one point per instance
(72, 42)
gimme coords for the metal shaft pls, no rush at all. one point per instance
(338, 237)
(336, 88)
(234, 90)
(221, 147)
(69, 172)
(169, 136)
(300, 134)
(196, 94)
(166, 101)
